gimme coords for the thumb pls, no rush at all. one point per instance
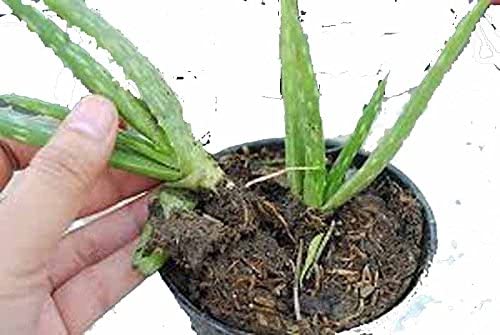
(55, 185)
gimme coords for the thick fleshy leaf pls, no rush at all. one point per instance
(129, 139)
(338, 172)
(390, 144)
(27, 127)
(312, 251)
(201, 170)
(305, 145)
(92, 74)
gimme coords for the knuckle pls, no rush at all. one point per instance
(87, 250)
(22, 278)
(96, 280)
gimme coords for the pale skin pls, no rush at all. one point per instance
(56, 283)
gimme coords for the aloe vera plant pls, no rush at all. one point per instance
(339, 190)
(160, 143)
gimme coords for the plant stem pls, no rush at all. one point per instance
(305, 144)
(201, 170)
(21, 125)
(343, 163)
(393, 140)
(92, 74)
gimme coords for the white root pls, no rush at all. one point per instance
(277, 174)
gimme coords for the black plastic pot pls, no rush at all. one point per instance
(204, 324)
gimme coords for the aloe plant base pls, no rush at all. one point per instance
(384, 241)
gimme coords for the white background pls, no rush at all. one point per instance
(231, 46)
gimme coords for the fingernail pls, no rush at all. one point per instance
(94, 116)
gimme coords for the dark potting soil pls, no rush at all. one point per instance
(235, 259)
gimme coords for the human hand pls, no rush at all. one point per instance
(55, 284)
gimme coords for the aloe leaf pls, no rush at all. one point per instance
(26, 127)
(305, 144)
(166, 202)
(356, 140)
(312, 251)
(202, 170)
(41, 107)
(394, 138)
(20, 125)
(130, 161)
(148, 263)
(92, 74)
(316, 248)
(128, 139)
(136, 143)
(294, 144)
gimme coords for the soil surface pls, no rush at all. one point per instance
(238, 264)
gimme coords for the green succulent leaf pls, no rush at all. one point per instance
(128, 139)
(32, 128)
(92, 74)
(148, 264)
(394, 138)
(200, 169)
(315, 251)
(338, 172)
(23, 126)
(312, 251)
(41, 107)
(305, 144)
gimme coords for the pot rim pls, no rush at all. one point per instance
(430, 242)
